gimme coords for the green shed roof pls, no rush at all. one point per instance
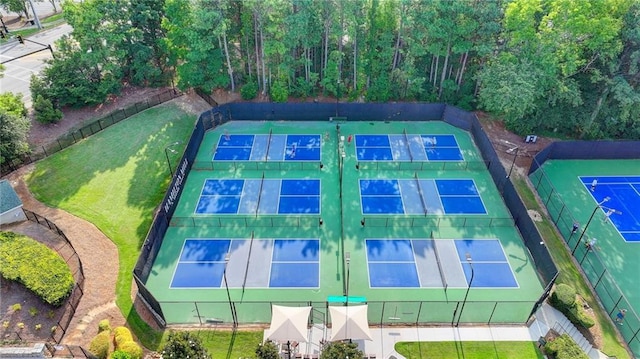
(8, 197)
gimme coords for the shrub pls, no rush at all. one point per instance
(184, 345)
(578, 316)
(132, 349)
(99, 345)
(104, 326)
(563, 347)
(121, 335)
(13, 104)
(118, 354)
(38, 326)
(33, 311)
(563, 297)
(336, 350)
(267, 350)
(279, 92)
(16, 307)
(249, 91)
(45, 111)
(50, 279)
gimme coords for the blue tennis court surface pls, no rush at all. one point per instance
(259, 196)
(268, 148)
(411, 263)
(407, 147)
(420, 196)
(277, 263)
(624, 194)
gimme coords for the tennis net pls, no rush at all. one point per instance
(246, 270)
(266, 154)
(435, 251)
(406, 142)
(259, 195)
(421, 193)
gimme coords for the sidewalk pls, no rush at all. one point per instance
(384, 339)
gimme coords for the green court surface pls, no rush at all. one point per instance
(340, 230)
(613, 267)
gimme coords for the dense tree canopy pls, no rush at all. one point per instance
(565, 66)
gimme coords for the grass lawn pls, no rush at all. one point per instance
(226, 344)
(569, 273)
(115, 179)
(469, 350)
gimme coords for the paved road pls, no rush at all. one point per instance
(17, 73)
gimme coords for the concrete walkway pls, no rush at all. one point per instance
(384, 339)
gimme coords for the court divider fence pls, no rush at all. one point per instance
(488, 311)
(436, 222)
(423, 165)
(594, 268)
(257, 165)
(381, 313)
(238, 221)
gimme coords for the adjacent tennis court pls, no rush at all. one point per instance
(274, 212)
(604, 212)
(623, 195)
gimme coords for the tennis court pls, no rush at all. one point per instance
(405, 147)
(420, 196)
(624, 197)
(255, 225)
(609, 214)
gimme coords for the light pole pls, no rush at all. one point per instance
(347, 259)
(598, 206)
(515, 156)
(464, 301)
(227, 257)
(166, 154)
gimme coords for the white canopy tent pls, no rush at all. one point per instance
(349, 322)
(289, 324)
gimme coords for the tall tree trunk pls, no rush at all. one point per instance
(226, 54)
(255, 39)
(264, 67)
(325, 57)
(355, 57)
(248, 57)
(463, 69)
(595, 112)
(435, 72)
(307, 59)
(444, 68)
(396, 51)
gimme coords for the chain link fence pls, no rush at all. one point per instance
(68, 253)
